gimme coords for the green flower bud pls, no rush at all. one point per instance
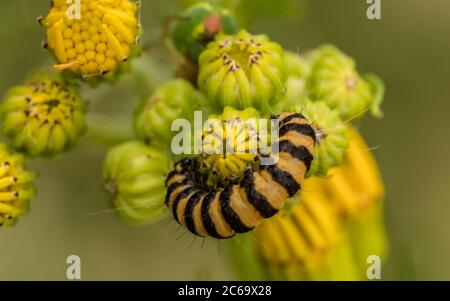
(229, 166)
(199, 25)
(230, 113)
(335, 80)
(45, 116)
(242, 71)
(173, 100)
(16, 187)
(134, 175)
(298, 68)
(331, 135)
(298, 71)
(377, 88)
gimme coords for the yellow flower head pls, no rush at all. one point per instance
(301, 235)
(230, 146)
(91, 37)
(45, 116)
(313, 239)
(16, 187)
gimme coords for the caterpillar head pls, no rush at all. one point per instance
(45, 116)
(16, 186)
(242, 71)
(134, 174)
(91, 37)
(331, 135)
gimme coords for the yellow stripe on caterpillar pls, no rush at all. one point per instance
(244, 203)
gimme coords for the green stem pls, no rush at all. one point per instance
(108, 130)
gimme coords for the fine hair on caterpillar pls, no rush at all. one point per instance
(238, 207)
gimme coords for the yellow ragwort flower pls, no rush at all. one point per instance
(299, 237)
(95, 39)
(313, 238)
(229, 147)
(356, 185)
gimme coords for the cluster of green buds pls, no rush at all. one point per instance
(239, 76)
(93, 39)
(16, 186)
(45, 116)
(327, 74)
(235, 75)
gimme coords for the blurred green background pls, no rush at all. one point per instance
(408, 48)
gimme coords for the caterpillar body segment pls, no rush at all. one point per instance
(238, 207)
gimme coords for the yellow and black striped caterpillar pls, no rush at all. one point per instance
(260, 194)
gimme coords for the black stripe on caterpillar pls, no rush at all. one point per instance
(260, 194)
